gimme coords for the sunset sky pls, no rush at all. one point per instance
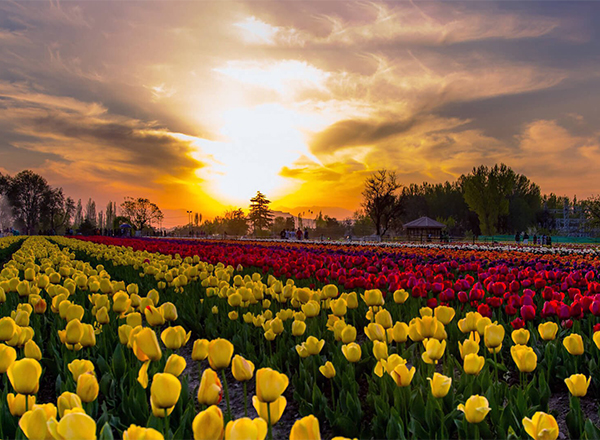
(197, 105)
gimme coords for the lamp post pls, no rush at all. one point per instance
(189, 221)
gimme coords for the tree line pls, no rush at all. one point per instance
(486, 201)
(29, 205)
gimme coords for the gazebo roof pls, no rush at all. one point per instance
(424, 223)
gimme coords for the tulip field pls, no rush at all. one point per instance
(178, 339)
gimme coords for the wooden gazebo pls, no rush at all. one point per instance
(423, 228)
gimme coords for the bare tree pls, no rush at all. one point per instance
(381, 203)
(142, 212)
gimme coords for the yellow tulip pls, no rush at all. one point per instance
(88, 339)
(298, 328)
(74, 332)
(24, 376)
(402, 375)
(574, 344)
(242, 369)
(102, 316)
(384, 319)
(34, 422)
(469, 346)
(427, 326)
(400, 332)
(154, 316)
(210, 391)
(330, 291)
(219, 353)
(352, 300)
(473, 363)
(440, 385)
(373, 297)
(143, 374)
(16, 404)
(7, 356)
(578, 384)
(87, 387)
(520, 336)
(121, 302)
(246, 429)
(482, 324)
(270, 335)
(314, 345)
(307, 428)
(74, 424)
(200, 350)
(175, 365)
(375, 332)
(208, 424)
(434, 350)
(165, 390)
(524, 357)
(390, 364)
(74, 311)
(548, 332)
(134, 319)
(444, 314)
(277, 326)
(348, 334)
(339, 307)
(380, 350)
(596, 339)
(124, 333)
(327, 370)
(169, 311)
(493, 335)
(469, 323)
(68, 401)
(135, 432)
(175, 337)
(352, 352)
(475, 408)
(79, 367)
(145, 345)
(270, 384)
(277, 408)
(311, 308)
(400, 296)
(541, 427)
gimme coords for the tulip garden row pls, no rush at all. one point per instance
(99, 336)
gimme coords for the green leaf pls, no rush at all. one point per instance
(106, 433)
(590, 431)
(119, 363)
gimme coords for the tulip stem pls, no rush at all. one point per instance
(269, 417)
(226, 394)
(443, 425)
(332, 395)
(496, 365)
(245, 400)
(476, 436)
(166, 424)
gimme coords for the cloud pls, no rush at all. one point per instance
(82, 142)
(557, 159)
(364, 24)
